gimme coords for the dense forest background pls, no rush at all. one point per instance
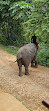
(20, 19)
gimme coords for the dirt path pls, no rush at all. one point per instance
(10, 103)
(31, 90)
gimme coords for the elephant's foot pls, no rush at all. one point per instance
(32, 65)
(36, 65)
(26, 73)
(20, 75)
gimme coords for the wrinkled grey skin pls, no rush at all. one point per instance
(25, 56)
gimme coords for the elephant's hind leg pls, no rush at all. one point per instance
(20, 67)
(26, 70)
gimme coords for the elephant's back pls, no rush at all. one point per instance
(27, 51)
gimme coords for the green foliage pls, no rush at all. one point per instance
(19, 10)
(20, 19)
(9, 49)
(47, 64)
(33, 14)
(43, 55)
(38, 20)
(2, 39)
(11, 22)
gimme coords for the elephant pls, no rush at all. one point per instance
(25, 55)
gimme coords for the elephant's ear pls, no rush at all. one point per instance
(38, 47)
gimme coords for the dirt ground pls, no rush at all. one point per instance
(31, 89)
(10, 103)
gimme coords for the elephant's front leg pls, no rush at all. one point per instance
(32, 63)
(26, 70)
(36, 63)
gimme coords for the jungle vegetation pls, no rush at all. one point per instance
(20, 19)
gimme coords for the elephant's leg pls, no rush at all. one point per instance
(36, 63)
(32, 63)
(20, 67)
(20, 70)
(26, 70)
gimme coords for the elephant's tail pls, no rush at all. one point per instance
(13, 61)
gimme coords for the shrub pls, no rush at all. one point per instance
(2, 40)
(43, 55)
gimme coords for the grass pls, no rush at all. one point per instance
(43, 53)
(9, 49)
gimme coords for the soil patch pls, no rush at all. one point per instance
(31, 89)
